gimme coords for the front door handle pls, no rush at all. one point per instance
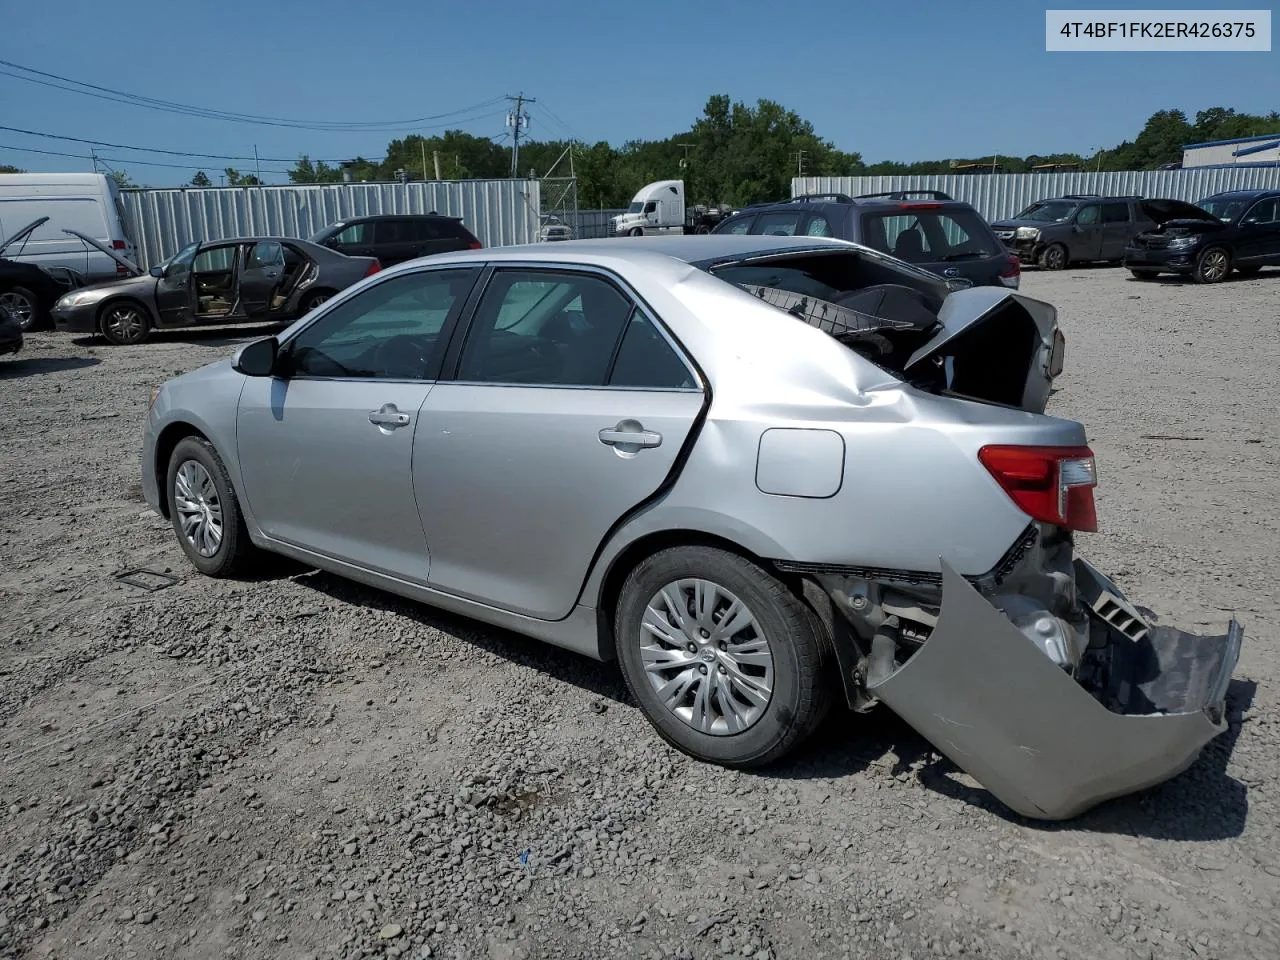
(388, 417)
(629, 433)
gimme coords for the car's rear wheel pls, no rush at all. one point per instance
(1145, 274)
(1053, 257)
(312, 300)
(724, 660)
(22, 306)
(1213, 265)
(124, 322)
(204, 510)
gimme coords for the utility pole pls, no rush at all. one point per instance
(799, 163)
(425, 175)
(517, 121)
(256, 164)
(93, 155)
(435, 155)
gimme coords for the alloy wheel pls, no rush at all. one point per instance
(707, 658)
(20, 308)
(124, 324)
(196, 500)
(1213, 266)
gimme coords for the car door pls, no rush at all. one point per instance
(1259, 234)
(1116, 229)
(260, 278)
(1086, 233)
(395, 240)
(175, 288)
(326, 446)
(569, 407)
(355, 240)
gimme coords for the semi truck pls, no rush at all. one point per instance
(659, 208)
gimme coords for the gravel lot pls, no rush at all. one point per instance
(297, 766)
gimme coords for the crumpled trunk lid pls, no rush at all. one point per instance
(1034, 735)
(995, 346)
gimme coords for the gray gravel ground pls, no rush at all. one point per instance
(296, 766)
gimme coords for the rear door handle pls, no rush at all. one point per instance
(388, 416)
(629, 434)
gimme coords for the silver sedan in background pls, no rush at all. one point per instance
(762, 474)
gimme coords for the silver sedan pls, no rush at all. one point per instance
(763, 474)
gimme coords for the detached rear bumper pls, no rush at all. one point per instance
(1048, 745)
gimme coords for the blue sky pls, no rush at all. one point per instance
(909, 80)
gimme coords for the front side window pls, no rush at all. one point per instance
(391, 330)
(179, 265)
(545, 328)
(1264, 211)
(357, 233)
(1088, 215)
(215, 260)
(777, 224)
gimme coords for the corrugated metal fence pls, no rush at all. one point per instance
(593, 224)
(999, 195)
(499, 212)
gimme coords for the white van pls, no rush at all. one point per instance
(88, 203)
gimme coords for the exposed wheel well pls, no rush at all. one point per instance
(646, 546)
(169, 438)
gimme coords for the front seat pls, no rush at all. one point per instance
(909, 245)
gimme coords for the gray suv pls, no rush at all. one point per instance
(1078, 228)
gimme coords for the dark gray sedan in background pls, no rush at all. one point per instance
(237, 280)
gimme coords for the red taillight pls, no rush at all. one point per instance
(1050, 484)
(1015, 266)
(920, 206)
(121, 270)
(117, 244)
(373, 268)
(475, 245)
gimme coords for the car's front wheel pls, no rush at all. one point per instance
(724, 660)
(1053, 257)
(124, 322)
(1213, 265)
(204, 510)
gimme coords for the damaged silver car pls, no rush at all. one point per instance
(763, 474)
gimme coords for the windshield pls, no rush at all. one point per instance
(1051, 211)
(1224, 208)
(637, 206)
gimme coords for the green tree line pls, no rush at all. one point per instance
(735, 153)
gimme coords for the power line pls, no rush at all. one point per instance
(169, 153)
(129, 162)
(59, 82)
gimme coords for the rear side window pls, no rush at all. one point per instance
(929, 236)
(1115, 213)
(1264, 211)
(777, 224)
(426, 230)
(393, 231)
(819, 226)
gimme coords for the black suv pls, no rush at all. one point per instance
(945, 236)
(395, 238)
(1240, 229)
(1078, 228)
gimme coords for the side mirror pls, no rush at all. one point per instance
(257, 359)
(156, 271)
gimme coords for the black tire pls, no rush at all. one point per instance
(801, 693)
(124, 322)
(234, 550)
(1248, 271)
(1054, 257)
(1213, 265)
(702, 229)
(636, 232)
(24, 306)
(1145, 274)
